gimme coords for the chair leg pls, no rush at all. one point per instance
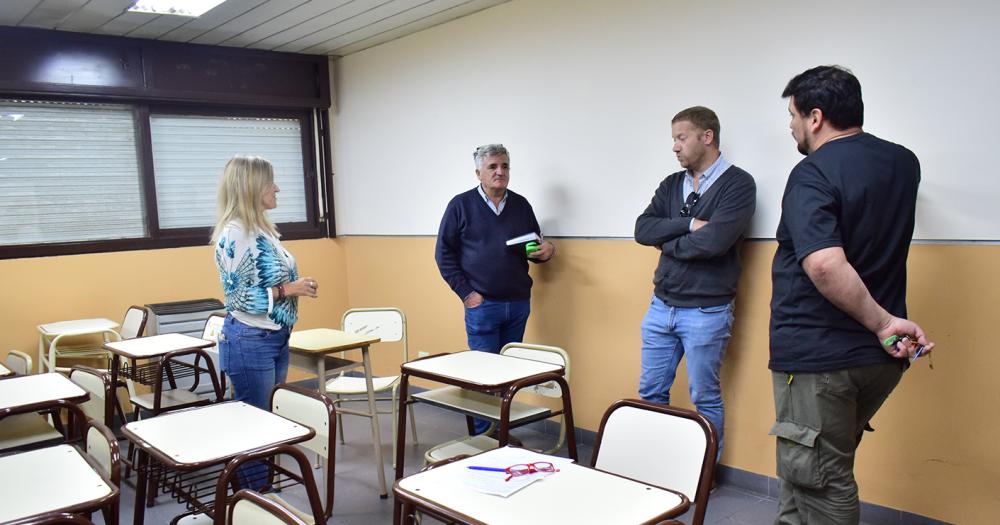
(340, 422)
(394, 410)
(413, 422)
(131, 447)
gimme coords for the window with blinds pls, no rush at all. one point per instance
(69, 172)
(189, 153)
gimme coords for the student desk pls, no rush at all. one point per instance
(480, 372)
(150, 347)
(50, 333)
(21, 396)
(311, 349)
(575, 494)
(197, 438)
(51, 479)
(20, 392)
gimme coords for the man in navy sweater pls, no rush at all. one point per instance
(696, 219)
(472, 254)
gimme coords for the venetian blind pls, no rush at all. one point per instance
(68, 172)
(190, 152)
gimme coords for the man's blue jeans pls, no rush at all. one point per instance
(255, 359)
(668, 334)
(490, 326)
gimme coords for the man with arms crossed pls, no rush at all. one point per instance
(839, 291)
(696, 219)
(472, 254)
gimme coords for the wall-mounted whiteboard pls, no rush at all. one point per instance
(582, 93)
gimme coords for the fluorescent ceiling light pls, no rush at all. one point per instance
(193, 8)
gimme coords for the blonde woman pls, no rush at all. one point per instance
(259, 279)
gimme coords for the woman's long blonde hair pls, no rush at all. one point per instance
(243, 183)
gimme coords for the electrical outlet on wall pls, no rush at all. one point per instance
(422, 354)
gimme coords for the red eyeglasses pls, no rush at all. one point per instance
(529, 468)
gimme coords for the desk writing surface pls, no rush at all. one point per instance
(483, 368)
(77, 326)
(213, 432)
(47, 479)
(575, 494)
(320, 340)
(4, 371)
(155, 345)
(26, 390)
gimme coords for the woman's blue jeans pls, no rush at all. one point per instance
(255, 359)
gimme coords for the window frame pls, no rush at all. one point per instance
(152, 74)
(313, 228)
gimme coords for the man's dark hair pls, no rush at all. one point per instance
(702, 118)
(834, 90)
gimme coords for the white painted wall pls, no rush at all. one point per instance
(582, 92)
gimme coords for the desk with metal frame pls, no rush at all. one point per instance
(187, 441)
(146, 348)
(22, 396)
(489, 373)
(53, 479)
(574, 494)
(21, 391)
(311, 349)
(50, 333)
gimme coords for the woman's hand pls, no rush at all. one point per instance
(306, 286)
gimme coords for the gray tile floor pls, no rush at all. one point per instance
(356, 499)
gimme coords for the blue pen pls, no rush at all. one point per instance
(490, 469)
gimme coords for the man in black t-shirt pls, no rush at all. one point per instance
(839, 292)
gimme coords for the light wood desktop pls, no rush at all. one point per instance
(311, 349)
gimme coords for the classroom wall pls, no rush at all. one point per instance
(582, 92)
(48, 289)
(934, 451)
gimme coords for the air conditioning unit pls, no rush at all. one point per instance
(181, 317)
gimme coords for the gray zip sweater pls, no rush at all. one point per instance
(699, 268)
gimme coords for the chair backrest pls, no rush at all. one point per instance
(135, 322)
(102, 446)
(250, 508)
(213, 327)
(19, 362)
(280, 453)
(660, 445)
(316, 411)
(388, 324)
(98, 384)
(546, 354)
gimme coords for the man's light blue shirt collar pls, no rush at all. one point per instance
(707, 179)
(497, 209)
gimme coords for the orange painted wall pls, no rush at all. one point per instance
(47, 289)
(934, 452)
